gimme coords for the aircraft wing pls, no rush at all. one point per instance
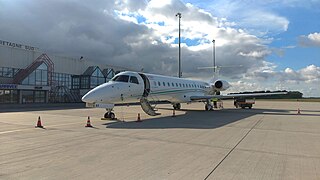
(228, 96)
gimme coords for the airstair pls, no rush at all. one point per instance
(147, 108)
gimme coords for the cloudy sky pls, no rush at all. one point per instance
(260, 45)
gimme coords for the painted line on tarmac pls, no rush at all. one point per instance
(28, 129)
(227, 155)
(130, 118)
(17, 130)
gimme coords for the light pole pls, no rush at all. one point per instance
(179, 73)
(214, 55)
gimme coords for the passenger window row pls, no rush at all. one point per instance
(182, 85)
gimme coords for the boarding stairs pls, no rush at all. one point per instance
(147, 107)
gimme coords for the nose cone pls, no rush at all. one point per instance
(89, 97)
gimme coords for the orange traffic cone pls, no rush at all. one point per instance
(298, 112)
(138, 119)
(39, 125)
(88, 122)
(174, 113)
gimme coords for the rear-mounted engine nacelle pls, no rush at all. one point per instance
(220, 85)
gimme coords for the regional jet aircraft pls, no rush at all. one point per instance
(130, 87)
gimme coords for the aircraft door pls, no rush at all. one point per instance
(146, 85)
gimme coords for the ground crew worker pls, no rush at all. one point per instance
(214, 100)
(235, 103)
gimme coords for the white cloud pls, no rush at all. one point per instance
(310, 74)
(264, 21)
(198, 25)
(242, 86)
(131, 5)
(298, 3)
(256, 54)
(310, 40)
(140, 34)
(314, 37)
(306, 80)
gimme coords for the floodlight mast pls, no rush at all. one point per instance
(214, 55)
(179, 73)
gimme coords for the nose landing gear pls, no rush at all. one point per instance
(176, 106)
(109, 114)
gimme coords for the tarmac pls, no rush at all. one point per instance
(270, 141)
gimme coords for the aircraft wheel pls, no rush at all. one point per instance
(177, 106)
(112, 115)
(106, 115)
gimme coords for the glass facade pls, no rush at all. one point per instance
(84, 82)
(30, 96)
(8, 96)
(90, 80)
(8, 72)
(97, 78)
(65, 87)
(62, 79)
(75, 82)
(38, 77)
(110, 74)
(39, 96)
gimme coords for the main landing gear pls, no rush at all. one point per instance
(176, 106)
(109, 114)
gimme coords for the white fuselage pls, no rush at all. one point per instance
(174, 89)
(128, 87)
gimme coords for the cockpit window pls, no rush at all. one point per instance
(121, 78)
(134, 79)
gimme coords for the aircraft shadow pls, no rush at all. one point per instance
(305, 110)
(196, 119)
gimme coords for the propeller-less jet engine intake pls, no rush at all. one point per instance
(221, 85)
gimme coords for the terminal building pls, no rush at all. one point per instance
(29, 75)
